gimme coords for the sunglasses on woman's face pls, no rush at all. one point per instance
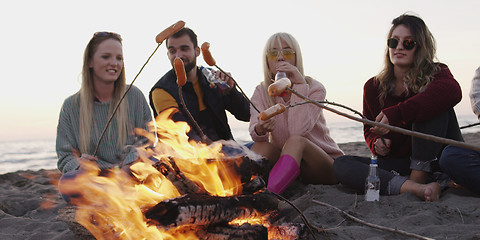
(287, 54)
(408, 44)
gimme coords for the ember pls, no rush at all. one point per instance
(181, 190)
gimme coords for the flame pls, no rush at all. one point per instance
(111, 204)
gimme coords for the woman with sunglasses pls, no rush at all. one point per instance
(84, 115)
(297, 141)
(411, 92)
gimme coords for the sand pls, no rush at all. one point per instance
(30, 206)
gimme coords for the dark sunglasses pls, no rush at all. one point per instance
(107, 34)
(408, 44)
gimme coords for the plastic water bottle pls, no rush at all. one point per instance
(372, 183)
(212, 79)
(280, 75)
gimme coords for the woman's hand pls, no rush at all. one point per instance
(88, 157)
(381, 118)
(292, 72)
(382, 146)
(263, 127)
(86, 160)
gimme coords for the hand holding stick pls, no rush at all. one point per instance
(207, 56)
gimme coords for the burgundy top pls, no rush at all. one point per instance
(441, 94)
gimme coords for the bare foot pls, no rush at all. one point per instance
(432, 192)
(428, 192)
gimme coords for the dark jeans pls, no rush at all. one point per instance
(424, 152)
(462, 166)
(351, 171)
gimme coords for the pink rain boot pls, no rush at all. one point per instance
(283, 173)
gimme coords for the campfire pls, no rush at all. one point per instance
(182, 189)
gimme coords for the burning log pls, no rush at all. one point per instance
(287, 231)
(246, 168)
(229, 232)
(170, 170)
(255, 185)
(209, 210)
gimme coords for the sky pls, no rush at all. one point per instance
(342, 42)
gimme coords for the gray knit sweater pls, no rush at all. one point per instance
(109, 154)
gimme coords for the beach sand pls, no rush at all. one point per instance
(30, 206)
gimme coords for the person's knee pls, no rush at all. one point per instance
(447, 159)
(340, 166)
(297, 140)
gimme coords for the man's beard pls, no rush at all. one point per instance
(190, 65)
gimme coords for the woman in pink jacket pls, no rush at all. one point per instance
(296, 141)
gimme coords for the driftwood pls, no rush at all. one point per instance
(210, 210)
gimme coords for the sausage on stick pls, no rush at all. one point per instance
(180, 71)
(272, 111)
(279, 86)
(169, 31)
(181, 80)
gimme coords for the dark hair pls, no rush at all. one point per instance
(185, 31)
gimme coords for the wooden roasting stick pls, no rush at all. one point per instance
(207, 56)
(181, 80)
(279, 87)
(159, 39)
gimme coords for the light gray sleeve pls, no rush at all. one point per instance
(475, 93)
(66, 143)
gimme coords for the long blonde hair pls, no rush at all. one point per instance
(423, 68)
(87, 96)
(276, 38)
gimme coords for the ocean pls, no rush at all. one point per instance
(40, 154)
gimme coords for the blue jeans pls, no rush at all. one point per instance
(234, 148)
(463, 166)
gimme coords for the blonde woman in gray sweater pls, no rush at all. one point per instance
(84, 115)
